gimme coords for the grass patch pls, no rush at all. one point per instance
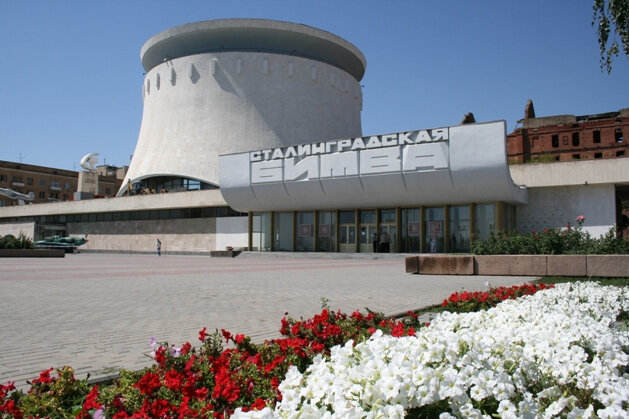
(619, 282)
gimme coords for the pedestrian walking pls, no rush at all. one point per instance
(159, 247)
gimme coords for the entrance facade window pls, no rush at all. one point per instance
(283, 231)
(434, 229)
(305, 232)
(508, 218)
(367, 230)
(459, 228)
(347, 231)
(411, 232)
(388, 230)
(327, 231)
(485, 220)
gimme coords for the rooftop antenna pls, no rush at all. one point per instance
(20, 157)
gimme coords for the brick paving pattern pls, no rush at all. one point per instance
(97, 312)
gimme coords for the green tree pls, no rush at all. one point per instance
(611, 17)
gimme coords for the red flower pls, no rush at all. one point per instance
(226, 335)
(398, 330)
(202, 334)
(201, 393)
(160, 408)
(317, 347)
(259, 404)
(44, 377)
(284, 329)
(239, 339)
(160, 356)
(91, 402)
(6, 388)
(148, 383)
(173, 380)
(10, 407)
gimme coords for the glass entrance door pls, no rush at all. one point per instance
(261, 231)
(347, 231)
(411, 237)
(388, 231)
(367, 230)
(327, 231)
(283, 231)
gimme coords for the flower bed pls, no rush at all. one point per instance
(550, 352)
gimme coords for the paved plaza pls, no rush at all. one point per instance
(97, 312)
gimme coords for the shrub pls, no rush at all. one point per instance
(11, 242)
(552, 241)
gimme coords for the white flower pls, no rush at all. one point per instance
(506, 409)
(265, 413)
(577, 413)
(562, 336)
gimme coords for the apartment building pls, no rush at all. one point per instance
(52, 185)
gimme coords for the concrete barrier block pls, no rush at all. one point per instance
(461, 265)
(608, 265)
(446, 265)
(224, 253)
(566, 265)
(492, 264)
(528, 265)
(412, 264)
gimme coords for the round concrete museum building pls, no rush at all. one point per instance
(231, 85)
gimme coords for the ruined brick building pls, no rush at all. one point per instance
(569, 137)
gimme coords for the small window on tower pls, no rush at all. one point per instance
(620, 153)
(575, 139)
(576, 156)
(598, 155)
(596, 136)
(618, 135)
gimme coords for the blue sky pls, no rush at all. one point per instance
(71, 77)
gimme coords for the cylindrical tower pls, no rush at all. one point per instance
(232, 85)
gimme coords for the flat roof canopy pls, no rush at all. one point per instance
(253, 35)
(452, 165)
